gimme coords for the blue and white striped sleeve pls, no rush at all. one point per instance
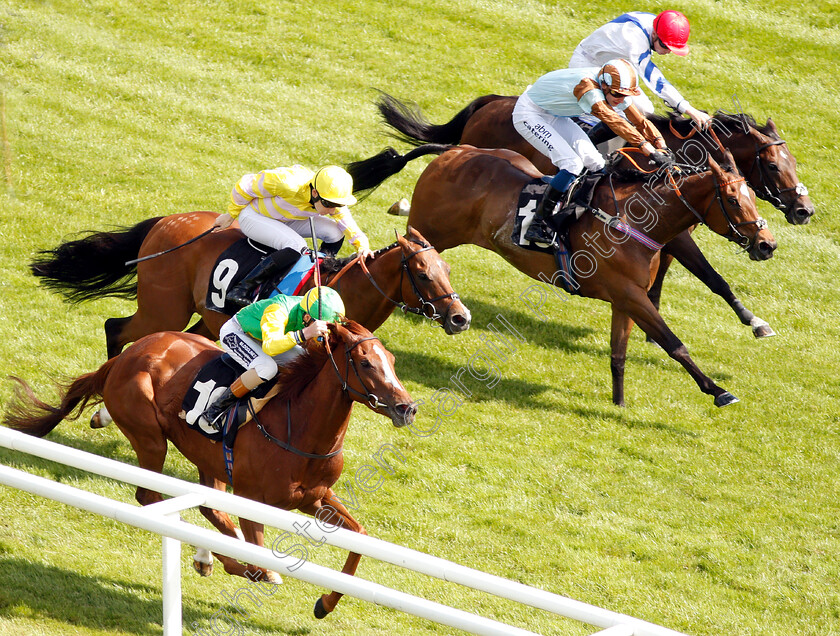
(656, 81)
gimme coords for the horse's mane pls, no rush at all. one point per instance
(735, 122)
(299, 373)
(331, 265)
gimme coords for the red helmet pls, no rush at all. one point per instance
(673, 29)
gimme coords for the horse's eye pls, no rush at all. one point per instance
(733, 201)
(365, 363)
(423, 276)
(774, 167)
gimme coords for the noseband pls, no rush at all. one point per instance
(372, 400)
(426, 308)
(369, 397)
(733, 234)
(766, 193)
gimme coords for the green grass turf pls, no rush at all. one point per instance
(707, 521)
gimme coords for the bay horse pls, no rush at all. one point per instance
(291, 468)
(469, 195)
(760, 154)
(172, 287)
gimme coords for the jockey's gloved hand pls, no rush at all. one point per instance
(662, 159)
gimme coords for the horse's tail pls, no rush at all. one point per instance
(413, 128)
(369, 173)
(32, 416)
(94, 265)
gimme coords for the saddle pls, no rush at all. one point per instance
(578, 200)
(238, 260)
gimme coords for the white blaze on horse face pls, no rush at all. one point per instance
(390, 376)
(783, 154)
(745, 190)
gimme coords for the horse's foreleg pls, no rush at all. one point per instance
(641, 310)
(619, 335)
(685, 250)
(337, 515)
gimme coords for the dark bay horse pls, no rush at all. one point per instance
(760, 154)
(170, 288)
(469, 195)
(143, 389)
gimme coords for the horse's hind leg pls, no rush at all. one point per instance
(113, 329)
(339, 516)
(165, 316)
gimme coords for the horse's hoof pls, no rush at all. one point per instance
(100, 419)
(319, 610)
(763, 331)
(400, 208)
(725, 399)
(204, 569)
(760, 328)
(273, 578)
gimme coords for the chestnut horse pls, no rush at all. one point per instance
(143, 389)
(760, 154)
(469, 195)
(172, 287)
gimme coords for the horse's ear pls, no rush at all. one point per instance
(713, 165)
(728, 161)
(401, 240)
(770, 126)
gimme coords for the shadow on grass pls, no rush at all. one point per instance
(30, 590)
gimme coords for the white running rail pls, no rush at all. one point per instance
(162, 518)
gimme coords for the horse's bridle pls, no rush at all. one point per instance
(766, 180)
(765, 193)
(733, 234)
(372, 400)
(427, 308)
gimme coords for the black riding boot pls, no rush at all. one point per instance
(331, 249)
(213, 413)
(271, 265)
(538, 231)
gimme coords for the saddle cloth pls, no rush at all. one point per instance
(580, 195)
(237, 261)
(212, 379)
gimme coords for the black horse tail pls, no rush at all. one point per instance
(413, 128)
(369, 173)
(94, 266)
(32, 416)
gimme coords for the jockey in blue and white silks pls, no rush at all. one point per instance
(635, 36)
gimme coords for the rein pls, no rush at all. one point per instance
(733, 234)
(766, 192)
(427, 308)
(284, 445)
(372, 400)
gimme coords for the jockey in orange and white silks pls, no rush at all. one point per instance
(543, 116)
(635, 36)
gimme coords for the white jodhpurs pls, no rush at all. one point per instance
(558, 138)
(287, 233)
(249, 353)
